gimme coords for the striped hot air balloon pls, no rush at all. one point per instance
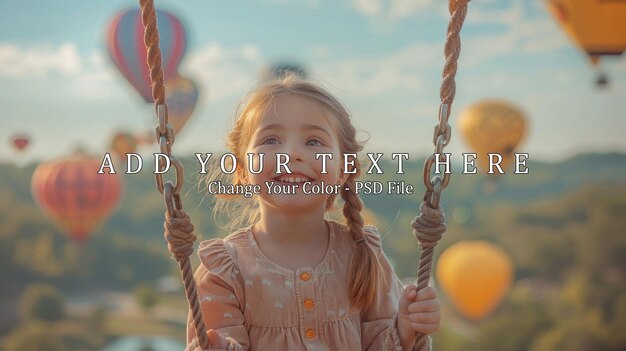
(72, 193)
(127, 50)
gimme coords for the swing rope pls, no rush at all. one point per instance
(178, 227)
(430, 225)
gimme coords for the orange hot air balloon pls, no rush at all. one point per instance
(598, 27)
(493, 127)
(475, 275)
(74, 195)
(20, 142)
(123, 143)
(145, 138)
(181, 95)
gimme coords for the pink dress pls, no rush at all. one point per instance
(263, 306)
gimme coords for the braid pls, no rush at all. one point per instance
(364, 266)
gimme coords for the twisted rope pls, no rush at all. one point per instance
(178, 227)
(180, 239)
(429, 226)
(151, 40)
(179, 235)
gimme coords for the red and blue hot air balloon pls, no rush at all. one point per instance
(127, 50)
(72, 193)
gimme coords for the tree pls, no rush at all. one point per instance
(146, 296)
(33, 336)
(41, 302)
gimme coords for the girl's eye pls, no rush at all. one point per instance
(315, 142)
(270, 141)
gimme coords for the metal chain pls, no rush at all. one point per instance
(165, 139)
(443, 131)
(429, 226)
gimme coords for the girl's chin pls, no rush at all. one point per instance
(296, 201)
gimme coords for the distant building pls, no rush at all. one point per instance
(144, 343)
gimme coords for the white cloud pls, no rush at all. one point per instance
(526, 37)
(390, 10)
(37, 61)
(224, 71)
(250, 52)
(396, 71)
(369, 7)
(510, 16)
(63, 67)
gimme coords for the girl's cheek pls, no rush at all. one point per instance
(264, 165)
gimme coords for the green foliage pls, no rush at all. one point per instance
(34, 336)
(46, 336)
(146, 296)
(42, 302)
(563, 225)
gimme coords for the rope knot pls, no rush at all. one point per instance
(429, 226)
(179, 235)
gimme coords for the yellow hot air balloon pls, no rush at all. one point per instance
(181, 94)
(123, 143)
(598, 27)
(493, 126)
(475, 275)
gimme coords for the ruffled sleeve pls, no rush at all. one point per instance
(221, 294)
(378, 323)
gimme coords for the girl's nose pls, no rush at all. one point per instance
(294, 150)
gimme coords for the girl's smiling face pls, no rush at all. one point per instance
(297, 126)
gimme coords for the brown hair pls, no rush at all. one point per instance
(364, 269)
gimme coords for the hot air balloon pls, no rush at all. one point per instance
(74, 195)
(493, 126)
(126, 47)
(123, 143)
(146, 138)
(475, 276)
(597, 27)
(20, 142)
(181, 95)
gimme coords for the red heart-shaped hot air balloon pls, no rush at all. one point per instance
(20, 142)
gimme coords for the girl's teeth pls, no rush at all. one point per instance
(292, 180)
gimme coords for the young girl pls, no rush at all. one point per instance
(289, 279)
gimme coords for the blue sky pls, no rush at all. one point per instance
(382, 58)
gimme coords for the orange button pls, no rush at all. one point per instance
(308, 304)
(305, 276)
(310, 333)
